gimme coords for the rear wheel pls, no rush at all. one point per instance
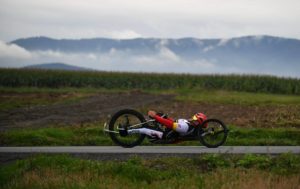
(213, 133)
(123, 120)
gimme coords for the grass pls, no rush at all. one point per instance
(31, 96)
(206, 171)
(87, 90)
(22, 97)
(23, 101)
(68, 135)
(263, 136)
(92, 134)
(234, 97)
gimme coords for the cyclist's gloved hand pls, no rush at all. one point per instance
(151, 114)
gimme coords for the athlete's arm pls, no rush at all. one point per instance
(166, 122)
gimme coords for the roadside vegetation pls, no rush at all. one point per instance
(206, 171)
(92, 134)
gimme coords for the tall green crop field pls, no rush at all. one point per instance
(121, 80)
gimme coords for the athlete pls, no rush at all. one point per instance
(181, 126)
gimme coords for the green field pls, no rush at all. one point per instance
(115, 80)
(271, 104)
(208, 171)
(29, 88)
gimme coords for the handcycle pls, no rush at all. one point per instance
(211, 133)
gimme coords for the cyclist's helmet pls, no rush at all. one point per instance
(200, 117)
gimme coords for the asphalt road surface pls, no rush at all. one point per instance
(9, 154)
(154, 149)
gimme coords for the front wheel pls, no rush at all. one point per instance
(212, 133)
(125, 119)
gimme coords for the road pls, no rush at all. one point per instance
(116, 152)
(154, 149)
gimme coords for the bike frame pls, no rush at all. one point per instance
(130, 127)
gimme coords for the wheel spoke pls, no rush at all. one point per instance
(214, 133)
(219, 132)
(122, 121)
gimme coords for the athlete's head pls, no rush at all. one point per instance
(199, 117)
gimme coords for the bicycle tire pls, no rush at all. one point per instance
(114, 136)
(202, 130)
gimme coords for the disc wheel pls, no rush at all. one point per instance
(213, 133)
(121, 120)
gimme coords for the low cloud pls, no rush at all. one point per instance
(13, 51)
(208, 48)
(169, 55)
(223, 42)
(163, 60)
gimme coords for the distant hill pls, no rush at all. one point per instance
(182, 46)
(249, 54)
(55, 66)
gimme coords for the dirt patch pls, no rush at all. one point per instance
(90, 109)
(98, 107)
(30, 96)
(245, 116)
(9, 101)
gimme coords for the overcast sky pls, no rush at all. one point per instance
(148, 18)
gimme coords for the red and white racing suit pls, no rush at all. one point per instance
(181, 125)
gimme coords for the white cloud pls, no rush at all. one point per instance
(258, 37)
(198, 42)
(208, 48)
(163, 60)
(165, 53)
(223, 42)
(164, 42)
(91, 56)
(112, 51)
(48, 53)
(236, 43)
(169, 55)
(13, 51)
